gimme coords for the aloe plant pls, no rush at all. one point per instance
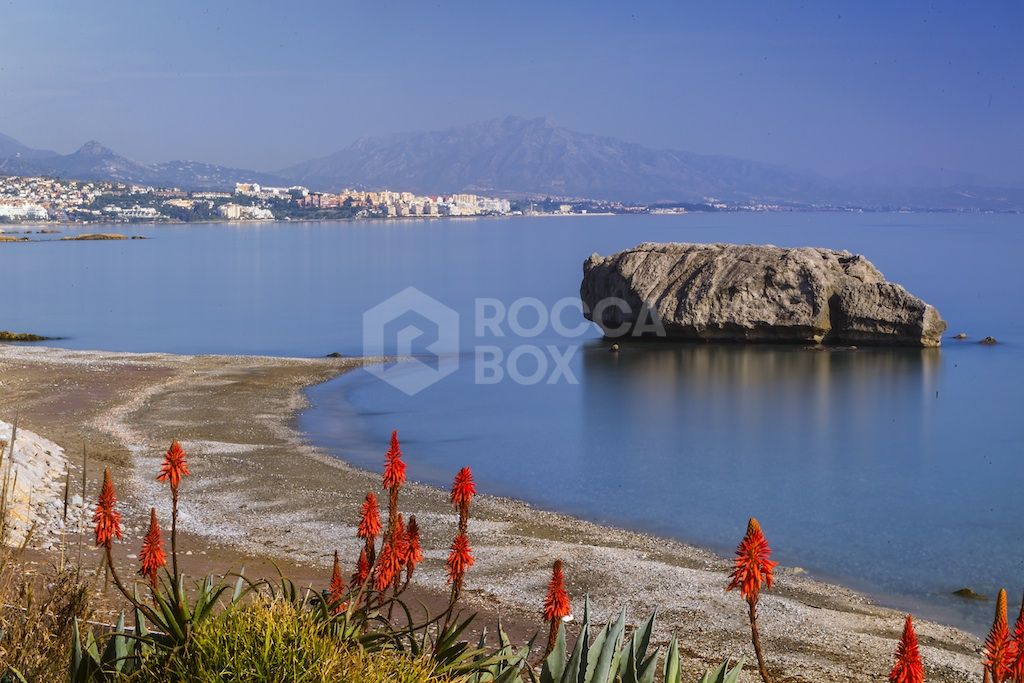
(123, 653)
(609, 657)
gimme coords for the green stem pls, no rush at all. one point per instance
(174, 532)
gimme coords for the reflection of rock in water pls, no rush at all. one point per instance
(753, 293)
(769, 388)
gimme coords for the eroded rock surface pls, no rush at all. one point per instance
(755, 293)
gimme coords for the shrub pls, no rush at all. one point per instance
(273, 640)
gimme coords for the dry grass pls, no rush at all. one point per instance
(36, 617)
(36, 609)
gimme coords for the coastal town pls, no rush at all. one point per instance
(40, 199)
(25, 199)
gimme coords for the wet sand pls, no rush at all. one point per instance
(258, 491)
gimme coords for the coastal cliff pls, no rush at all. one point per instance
(755, 293)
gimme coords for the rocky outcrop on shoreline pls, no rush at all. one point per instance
(753, 293)
(8, 336)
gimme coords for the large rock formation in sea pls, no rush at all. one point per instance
(754, 293)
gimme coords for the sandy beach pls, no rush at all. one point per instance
(259, 492)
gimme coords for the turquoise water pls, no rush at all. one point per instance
(898, 472)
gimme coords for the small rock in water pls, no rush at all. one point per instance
(989, 341)
(614, 348)
(961, 336)
(969, 594)
(334, 354)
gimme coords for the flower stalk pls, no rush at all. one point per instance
(173, 469)
(393, 479)
(752, 570)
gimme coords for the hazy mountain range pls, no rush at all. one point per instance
(517, 156)
(93, 161)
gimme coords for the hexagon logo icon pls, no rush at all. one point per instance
(425, 334)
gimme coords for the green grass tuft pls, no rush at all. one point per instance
(274, 641)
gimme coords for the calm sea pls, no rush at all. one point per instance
(897, 472)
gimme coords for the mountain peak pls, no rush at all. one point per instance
(533, 156)
(94, 148)
(536, 121)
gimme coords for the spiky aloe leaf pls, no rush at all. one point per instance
(723, 674)
(606, 662)
(554, 663)
(77, 657)
(577, 664)
(239, 586)
(629, 668)
(671, 672)
(644, 641)
(734, 674)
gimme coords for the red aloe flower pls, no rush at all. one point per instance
(463, 490)
(908, 667)
(556, 604)
(387, 568)
(412, 534)
(106, 518)
(152, 555)
(400, 541)
(753, 568)
(459, 560)
(1017, 667)
(336, 591)
(362, 569)
(394, 468)
(174, 466)
(369, 520)
(999, 651)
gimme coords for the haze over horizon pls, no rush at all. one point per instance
(838, 90)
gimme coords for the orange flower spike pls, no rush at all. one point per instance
(463, 489)
(387, 568)
(362, 569)
(400, 541)
(174, 466)
(999, 651)
(152, 555)
(369, 519)
(908, 667)
(1018, 628)
(412, 533)
(336, 590)
(753, 566)
(460, 559)
(556, 604)
(394, 467)
(1017, 666)
(106, 519)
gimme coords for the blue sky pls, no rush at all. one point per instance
(834, 87)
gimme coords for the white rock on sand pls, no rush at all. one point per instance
(34, 476)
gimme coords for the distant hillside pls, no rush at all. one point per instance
(534, 157)
(9, 147)
(93, 161)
